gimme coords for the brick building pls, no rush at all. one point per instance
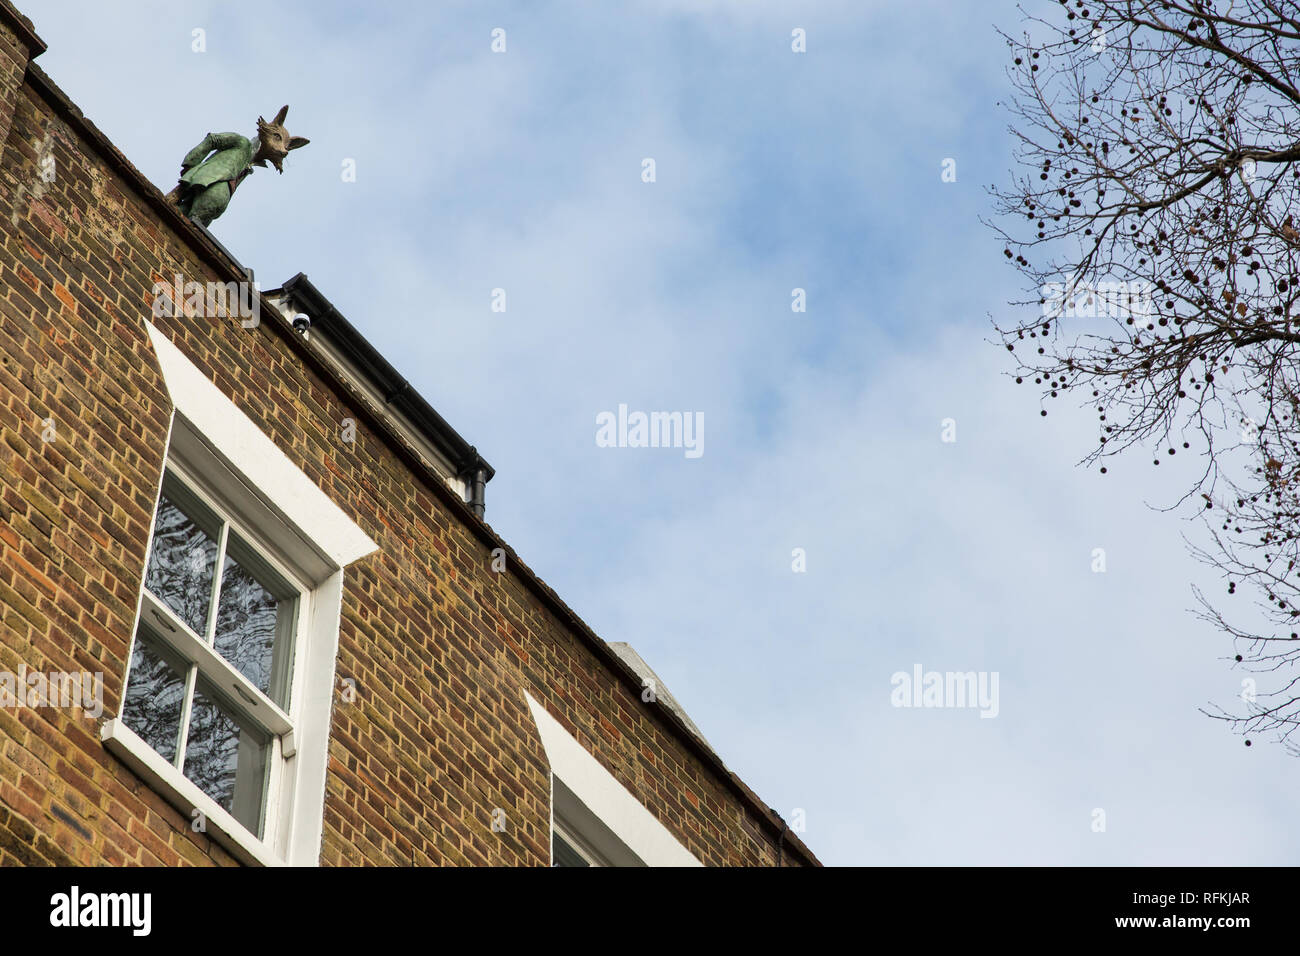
(266, 554)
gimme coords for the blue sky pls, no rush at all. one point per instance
(774, 170)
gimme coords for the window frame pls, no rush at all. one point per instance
(307, 529)
(285, 835)
(571, 837)
(589, 804)
(234, 692)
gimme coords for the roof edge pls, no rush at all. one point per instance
(396, 389)
(16, 21)
(190, 234)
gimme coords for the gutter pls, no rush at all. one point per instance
(189, 233)
(469, 465)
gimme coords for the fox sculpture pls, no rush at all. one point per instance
(213, 170)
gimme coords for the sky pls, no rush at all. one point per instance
(774, 170)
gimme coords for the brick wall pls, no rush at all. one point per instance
(441, 648)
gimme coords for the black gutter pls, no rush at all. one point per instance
(397, 391)
(188, 232)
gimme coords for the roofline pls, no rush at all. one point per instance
(14, 19)
(397, 391)
(221, 262)
(204, 245)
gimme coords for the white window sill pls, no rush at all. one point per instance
(184, 795)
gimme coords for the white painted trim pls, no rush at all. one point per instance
(184, 795)
(559, 830)
(262, 710)
(605, 797)
(295, 807)
(570, 815)
(307, 823)
(234, 435)
(190, 458)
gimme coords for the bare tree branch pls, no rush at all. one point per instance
(1158, 155)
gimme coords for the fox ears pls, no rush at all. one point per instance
(295, 142)
(279, 118)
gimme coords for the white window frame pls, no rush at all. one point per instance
(309, 540)
(570, 835)
(200, 653)
(589, 802)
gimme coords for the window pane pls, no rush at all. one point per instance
(183, 555)
(226, 761)
(155, 694)
(255, 621)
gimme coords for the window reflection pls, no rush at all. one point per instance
(155, 695)
(225, 747)
(182, 559)
(225, 760)
(254, 623)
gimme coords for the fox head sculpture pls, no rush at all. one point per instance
(274, 141)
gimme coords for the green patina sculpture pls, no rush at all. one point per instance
(208, 181)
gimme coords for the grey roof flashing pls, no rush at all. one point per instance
(662, 694)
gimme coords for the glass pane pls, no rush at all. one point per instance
(183, 555)
(226, 760)
(155, 694)
(255, 621)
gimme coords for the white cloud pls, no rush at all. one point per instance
(478, 171)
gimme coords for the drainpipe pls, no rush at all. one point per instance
(478, 482)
